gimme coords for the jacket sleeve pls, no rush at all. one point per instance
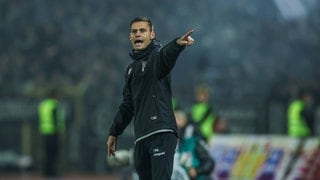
(125, 113)
(206, 161)
(168, 56)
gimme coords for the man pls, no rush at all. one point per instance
(51, 127)
(300, 123)
(202, 112)
(193, 151)
(147, 97)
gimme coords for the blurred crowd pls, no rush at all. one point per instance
(245, 51)
(53, 43)
(71, 42)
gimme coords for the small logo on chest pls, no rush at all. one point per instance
(129, 71)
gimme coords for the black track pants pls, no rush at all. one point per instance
(153, 156)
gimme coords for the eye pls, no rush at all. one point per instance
(134, 31)
(142, 30)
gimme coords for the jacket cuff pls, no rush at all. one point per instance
(177, 45)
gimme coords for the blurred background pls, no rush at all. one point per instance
(254, 56)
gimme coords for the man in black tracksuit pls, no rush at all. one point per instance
(147, 98)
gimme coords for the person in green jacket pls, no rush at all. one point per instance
(299, 119)
(51, 125)
(202, 112)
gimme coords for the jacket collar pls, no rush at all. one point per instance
(140, 54)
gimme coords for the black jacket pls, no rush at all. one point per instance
(147, 92)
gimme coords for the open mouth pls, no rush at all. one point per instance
(138, 42)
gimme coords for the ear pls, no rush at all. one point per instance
(153, 35)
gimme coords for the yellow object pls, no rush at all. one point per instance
(51, 119)
(297, 126)
(206, 125)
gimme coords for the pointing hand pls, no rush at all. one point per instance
(186, 39)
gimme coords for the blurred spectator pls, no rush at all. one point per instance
(192, 149)
(300, 120)
(51, 127)
(202, 112)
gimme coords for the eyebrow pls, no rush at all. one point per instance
(140, 29)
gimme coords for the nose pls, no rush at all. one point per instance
(138, 33)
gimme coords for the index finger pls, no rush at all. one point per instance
(188, 34)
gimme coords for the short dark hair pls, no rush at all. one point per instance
(144, 19)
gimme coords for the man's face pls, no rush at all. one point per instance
(141, 35)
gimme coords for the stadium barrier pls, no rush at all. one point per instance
(265, 157)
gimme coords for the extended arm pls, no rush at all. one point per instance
(169, 53)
